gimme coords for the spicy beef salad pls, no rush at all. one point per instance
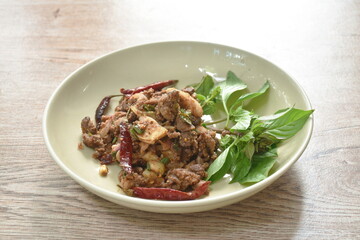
(167, 152)
(156, 136)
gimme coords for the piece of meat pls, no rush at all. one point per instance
(168, 105)
(182, 125)
(92, 141)
(188, 139)
(207, 144)
(152, 132)
(199, 169)
(87, 126)
(188, 102)
(189, 90)
(181, 179)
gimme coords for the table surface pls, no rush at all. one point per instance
(317, 42)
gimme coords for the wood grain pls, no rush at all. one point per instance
(318, 42)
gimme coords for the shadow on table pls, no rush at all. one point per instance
(274, 212)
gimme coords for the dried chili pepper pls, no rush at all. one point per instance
(155, 86)
(171, 194)
(125, 148)
(101, 109)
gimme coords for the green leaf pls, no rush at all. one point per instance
(241, 167)
(208, 102)
(200, 97)
(205, 86)
(285, 124)
(215, 92)
(185, 115)
(247, 137)
(165, 160)
(231, 85)
(209, 108)
(242, 118)
(221, 165)
(249, 150)
(249, 96)
(226, 141)
(260, 166)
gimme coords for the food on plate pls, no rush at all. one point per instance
(157, 138)
(165, 149)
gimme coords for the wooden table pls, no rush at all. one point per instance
(318, 42)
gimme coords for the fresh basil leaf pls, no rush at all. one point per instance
(200, 97)
(286, 124)
(205, 86)
(249, 96)
(221, 165)
(247, 137)
(214, 93)
(242, 118)
(231, 85)
(209, 108)
(241, 167)
(260, 166)
(249, 150)
(226, 141)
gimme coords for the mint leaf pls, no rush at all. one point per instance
(260, 166)
(206, 84)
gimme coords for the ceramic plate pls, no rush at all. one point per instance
(80, 93)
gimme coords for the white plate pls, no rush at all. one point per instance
(80, 93)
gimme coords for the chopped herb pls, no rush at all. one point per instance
(138, 130)
(114, 140)
(185, 115)
(149, 107)
(133, 133)
(176, 147)
(165, 160)
(148, 167)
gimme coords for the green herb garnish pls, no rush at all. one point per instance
(250, 152)
(149, 107)
(165, 160)
(185, 115)
(137, 129)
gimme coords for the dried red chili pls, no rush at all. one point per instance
(125, 148)
(155, 86)
(171, 194)
(100, 110)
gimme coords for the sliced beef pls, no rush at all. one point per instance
(87, 126)
(182, 125)
(199, 169)
(188, 139)
(92, 141)
(168, 105)
(181, 179)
